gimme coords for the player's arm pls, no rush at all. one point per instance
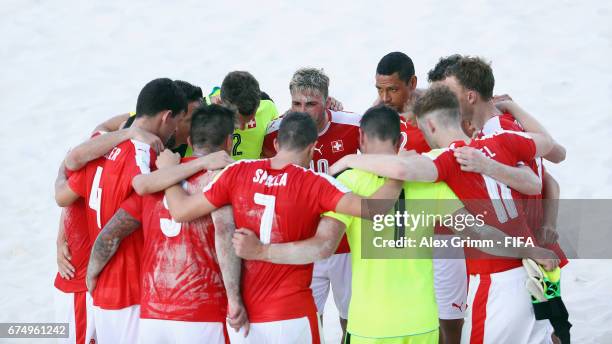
(113, 123)
(102, 144)
(322, 245)
(64, 195)
(384, 199)
(64, 267)
(414, 167)
(530, 124)
(118, 227)
(231, 266)
(486, 233)
(522, 178)
(184, 207)
(550, 203)
(174, 173)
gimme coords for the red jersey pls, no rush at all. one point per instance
(339, 138)
(412, 138)
(278, 205)
(532, 204)
(79, 244)
(486, 196)
(105, 183)
(181, 278)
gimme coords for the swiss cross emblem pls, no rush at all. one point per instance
(251, 124)
(337, 146)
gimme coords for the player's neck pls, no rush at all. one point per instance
(486, 111)
(203, 151)
(321, 126)
(147, 123)
(284, 158)
(243, 120)
(451, 135)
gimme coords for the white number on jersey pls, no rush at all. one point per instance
(265, 226)
(95, 197)
(502, 203)
(322, 166)
(404, 141)
(169, 227)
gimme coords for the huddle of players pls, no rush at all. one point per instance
(163, 270)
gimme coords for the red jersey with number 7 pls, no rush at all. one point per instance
(278, 205)
(104, 184)
(339, 138)
(485, 196)
(181, 279)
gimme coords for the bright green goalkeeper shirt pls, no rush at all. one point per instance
(393, 297)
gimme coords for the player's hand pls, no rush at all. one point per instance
(237, 316)
(546, 258)
(215, 161)
(167, 159)
(335, 104)
(216, 99)
(505, 105)
(472, 160)
(547, 235)
(64, 267)
(247, 245)
(144, 136)
(501, 98)
(91, 283)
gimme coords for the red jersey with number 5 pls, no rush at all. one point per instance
(483, 195)
(278, 205)
(181, 279)
(339, 138)
(104, 184)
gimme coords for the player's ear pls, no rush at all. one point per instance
(166, 114)
(229, 143)
(431, 125)
(413, 82)
(471, 97)
(362, 139)
(327, 102)
(275, 144)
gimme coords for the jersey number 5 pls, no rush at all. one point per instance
(265, 226)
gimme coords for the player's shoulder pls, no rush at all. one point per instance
(274, 125)
(267, 110)
(502, 135)
(434, 153)
(323, 177)
(345, 118)
(499, 123)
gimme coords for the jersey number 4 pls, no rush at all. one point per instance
(265, 225)
(95, 196)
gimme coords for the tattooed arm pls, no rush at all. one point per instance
(231, 266)
(118, 227)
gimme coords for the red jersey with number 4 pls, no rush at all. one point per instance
(339, 138)
(412, 138)
(79, 244)
(532, 203)
(483, 195)
(105, 184)
(278, 205)
(181, 279)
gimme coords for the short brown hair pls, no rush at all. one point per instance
(474, 74)
(438, 98)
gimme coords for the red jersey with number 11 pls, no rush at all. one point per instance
(278, 205)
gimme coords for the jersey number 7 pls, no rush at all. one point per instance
(265, 225)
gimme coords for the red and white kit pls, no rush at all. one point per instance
(339, 138)
(497, 296)
(73, 303)
(104, 184)
(182, 293)
(412, 138)
(532, 204)
(278, 205)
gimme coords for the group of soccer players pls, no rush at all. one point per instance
(197, 219)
